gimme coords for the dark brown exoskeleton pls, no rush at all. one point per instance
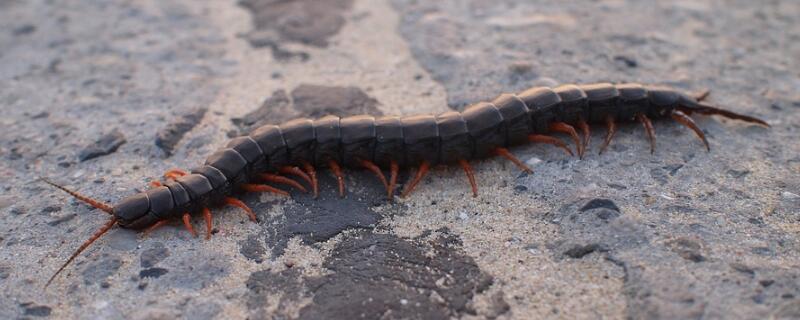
(273, 152)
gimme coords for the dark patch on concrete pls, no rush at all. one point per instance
(374, 275)
(62, 219)
(316, 101)
(309, 22)
(5, 271)
(101, 269)
(152, 272)
(196, 271)
(168, 137)
(688, 249)
(151, 257)
(261, 284)
(272, 111)
(252, 248)
(35, 310)
(107, 144)
(580, 251)
(23, 30)
(600, 203)
(498, 306)
(317, 220)
(309, 101)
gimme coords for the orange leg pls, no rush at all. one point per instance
(297, 172)
(507, 154)
(685, 120)
(612, 129)
(237, 203)
(155, 184)
(421, 172)
(207, 217)
(269, 177)
(155, 226)
(337, 172)
(568, 129)
(586, 133)
(174, 174)
(377, 171)
(312, 173)
(539, 138)
(394, 170)
(470, 175)
(648, 127)
(188, 224)
(263, 188)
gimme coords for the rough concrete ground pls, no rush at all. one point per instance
(104, 96)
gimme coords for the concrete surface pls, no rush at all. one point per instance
(104, 96)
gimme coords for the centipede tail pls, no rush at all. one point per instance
(275, 154)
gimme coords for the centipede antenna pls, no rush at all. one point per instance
(92, 202)
(110, 224)
(706, 109)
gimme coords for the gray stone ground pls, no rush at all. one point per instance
(104, 96)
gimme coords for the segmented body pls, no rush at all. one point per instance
(446, 138)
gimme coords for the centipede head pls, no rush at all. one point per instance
(94, 203)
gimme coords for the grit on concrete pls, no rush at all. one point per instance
(105, 96)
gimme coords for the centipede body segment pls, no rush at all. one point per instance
(274, 153)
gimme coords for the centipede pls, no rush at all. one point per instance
(290, 153)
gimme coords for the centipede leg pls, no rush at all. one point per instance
(508, 155)
(648, 127)
(422, 171)
(570, 130)
(155, 226)
(297, 172)
(207, 217)
(155, 184)
(174, 174)
(470, 175)
(687, 121)
(394, 169)
(339, 174)
(369, 165)
(239, 204)
(312, 173)
(269, 177)
(612, 129)
(540, 138)
(263, 188)
(187, 223)
(586, 133)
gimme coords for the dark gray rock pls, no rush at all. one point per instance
(311, 101)
(304, 21)
(168, 137)
(377, 274)
(317, 220)
(101, 269)
(152, 273)
(253, 249)
(152, 256)
(34, 310)
(107, 144)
